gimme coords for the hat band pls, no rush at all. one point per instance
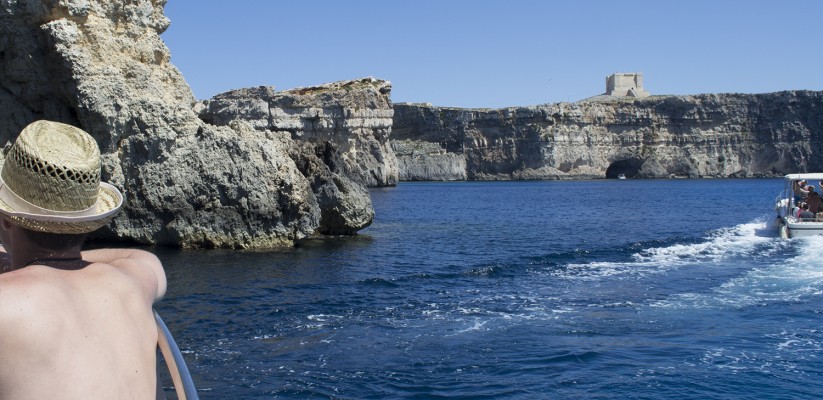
(20, 204)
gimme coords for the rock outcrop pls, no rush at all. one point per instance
(350, 121)
(101, 65)
(723, 135)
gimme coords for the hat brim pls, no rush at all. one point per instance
(109, 202)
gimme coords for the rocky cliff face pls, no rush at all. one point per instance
(727, 135)
(101, 65)
(427, 161)
(348, 122)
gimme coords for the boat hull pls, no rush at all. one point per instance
(803, 229)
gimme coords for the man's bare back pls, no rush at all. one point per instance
(84, 332)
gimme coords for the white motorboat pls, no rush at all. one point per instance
(790, 225)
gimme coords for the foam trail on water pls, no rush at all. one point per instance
(793, 278)
(741, 241)
(724, 243)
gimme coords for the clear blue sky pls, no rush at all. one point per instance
(479, 53)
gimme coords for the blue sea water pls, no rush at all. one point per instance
(602, 289)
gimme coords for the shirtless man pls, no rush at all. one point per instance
(73, 324)
(813, 200)
(800, 192)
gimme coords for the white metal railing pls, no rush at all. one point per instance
(183, 384)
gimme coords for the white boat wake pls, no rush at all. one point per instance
(743, 241)
(774, 271)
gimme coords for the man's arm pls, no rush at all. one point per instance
(142, 265)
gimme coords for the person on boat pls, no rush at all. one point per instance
(805, 215)
(797, 209)
(813, 200)
(73, 324)
(799, 189)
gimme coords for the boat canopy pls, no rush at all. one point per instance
(813, 176)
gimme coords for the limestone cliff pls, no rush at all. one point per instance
(723, 135)
(101, 65)
(348, 121)
(426, 161)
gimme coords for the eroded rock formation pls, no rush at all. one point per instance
(348, 121)
(724, 135)
(101, 65)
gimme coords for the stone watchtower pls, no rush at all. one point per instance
(626, 85)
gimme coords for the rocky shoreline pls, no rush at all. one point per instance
(258, 168)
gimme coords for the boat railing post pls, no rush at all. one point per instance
(183, 384)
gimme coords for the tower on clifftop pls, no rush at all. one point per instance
(626, 85)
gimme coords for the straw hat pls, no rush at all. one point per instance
(50, 181)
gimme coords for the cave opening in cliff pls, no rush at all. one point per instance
(627, 168)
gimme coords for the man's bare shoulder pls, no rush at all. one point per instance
(26, 279)
(28, 291)
(142, 266)
(39, 287)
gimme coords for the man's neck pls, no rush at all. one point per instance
(26, 247)
(67, 264)
(66, 259)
